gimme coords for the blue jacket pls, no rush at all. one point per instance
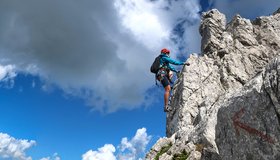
(165, 61)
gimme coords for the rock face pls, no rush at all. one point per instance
(226, 104)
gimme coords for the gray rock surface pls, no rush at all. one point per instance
(227, 102)
(248, 122)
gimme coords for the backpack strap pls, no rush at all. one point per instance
(164, 64)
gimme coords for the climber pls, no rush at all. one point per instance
(163, 73)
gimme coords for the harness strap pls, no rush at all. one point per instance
(156, 81)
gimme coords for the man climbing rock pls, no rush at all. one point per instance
(163, 72)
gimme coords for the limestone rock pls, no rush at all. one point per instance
(226, 104)
(162, 142)
(212, 28)
(248, 123)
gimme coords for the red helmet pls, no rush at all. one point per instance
(165, 51)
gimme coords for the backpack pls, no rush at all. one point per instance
(156, 64)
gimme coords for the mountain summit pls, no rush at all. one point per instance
(226, 105)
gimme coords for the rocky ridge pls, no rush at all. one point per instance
(227, 103)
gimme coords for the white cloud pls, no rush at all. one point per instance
(105, 152)
(102, 50)
(13, 148)
(98, 50)
(7, 75)
(133, 149)
(54, 157)
(145, 24)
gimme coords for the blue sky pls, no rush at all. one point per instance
(74, 76)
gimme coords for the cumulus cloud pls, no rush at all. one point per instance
(101, 50)
(134, 148)
(7, 72)
(13, 148)
(140, 18)
(7, 75)
(185, 19)
(98, 50)
(128, 149)
(105, 152)
(54, 157)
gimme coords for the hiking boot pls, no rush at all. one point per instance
(167, 108)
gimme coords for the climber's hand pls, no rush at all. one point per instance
(187, 63)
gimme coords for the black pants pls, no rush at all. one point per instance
(165, 81)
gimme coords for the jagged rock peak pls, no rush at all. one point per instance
(212, 26)
(226, 104)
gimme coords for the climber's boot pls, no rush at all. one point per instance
(167, 108)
